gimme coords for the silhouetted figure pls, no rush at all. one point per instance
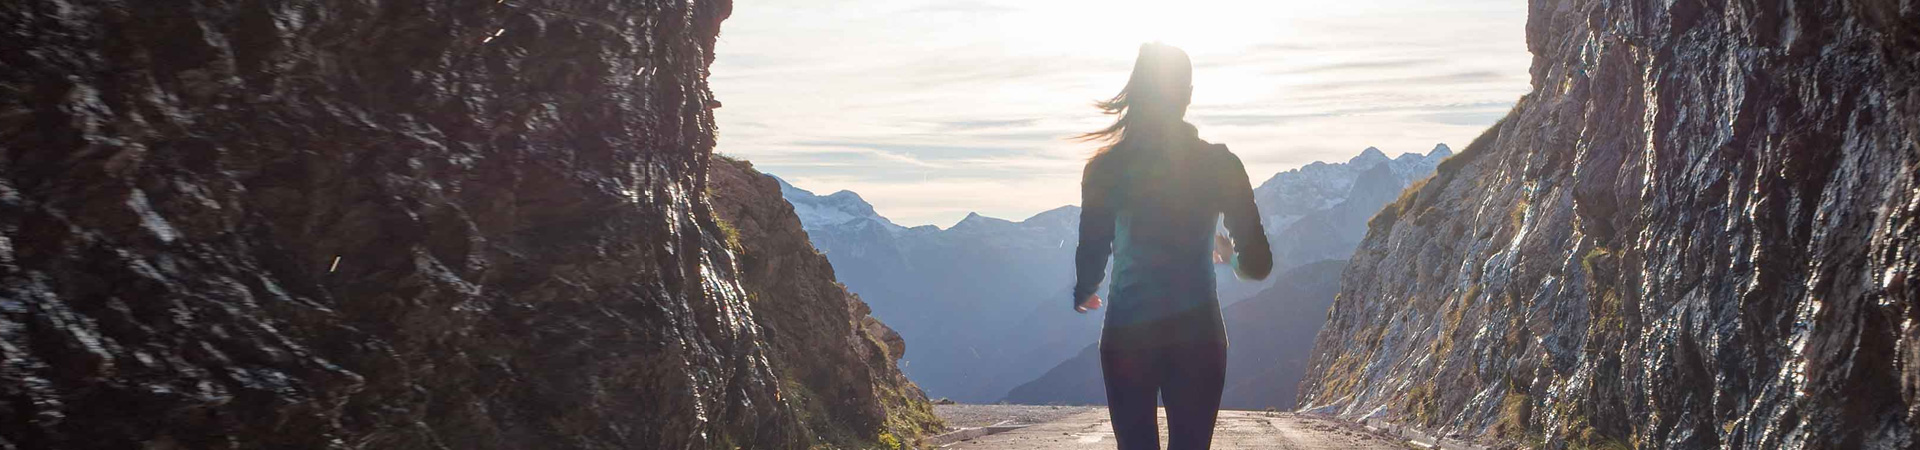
(1152, 199)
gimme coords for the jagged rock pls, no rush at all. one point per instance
(1694, 233)
(840, 359)
(896, 346)
(396, 225)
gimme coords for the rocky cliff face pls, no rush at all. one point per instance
(838, 360)
(398, 224)
(1698, 230)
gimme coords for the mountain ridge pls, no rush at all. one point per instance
(975, 341)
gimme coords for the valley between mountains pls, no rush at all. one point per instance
(983, 304)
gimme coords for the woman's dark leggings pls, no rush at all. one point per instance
(1189, 376)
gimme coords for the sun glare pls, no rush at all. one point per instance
(1215, 32)
(1199, 26)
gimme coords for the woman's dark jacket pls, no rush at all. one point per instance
(1154, 203)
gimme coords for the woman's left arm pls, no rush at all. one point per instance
(1252, 257)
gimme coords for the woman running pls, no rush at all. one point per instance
(1152, 198)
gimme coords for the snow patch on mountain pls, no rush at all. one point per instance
(1319, 186)
(844, 209)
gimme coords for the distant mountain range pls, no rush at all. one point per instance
(983, 305)
(1319, 211)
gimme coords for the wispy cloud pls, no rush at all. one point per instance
(1368, 65)
(962, 7)
(933, 109)
(1259, 118)
(968, 125)
(1423, 79)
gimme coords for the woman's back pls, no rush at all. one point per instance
(1157, 201)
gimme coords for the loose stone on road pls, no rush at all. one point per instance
(1235, 430)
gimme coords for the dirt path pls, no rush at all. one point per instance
(967, 416)
(1236, 430)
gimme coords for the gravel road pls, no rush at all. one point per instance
(1088, 428)
(967, 416)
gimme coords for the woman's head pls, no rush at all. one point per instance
(1156, 96)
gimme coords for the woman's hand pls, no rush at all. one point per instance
(1092, 303)
(1222, 249)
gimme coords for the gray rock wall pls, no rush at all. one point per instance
(1697, 231)
(397, 224)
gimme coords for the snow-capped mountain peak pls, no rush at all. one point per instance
(1367, 158)
(1318, 186)
(818, 211)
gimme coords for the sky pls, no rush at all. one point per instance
(931, 110)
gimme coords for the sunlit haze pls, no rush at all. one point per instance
(931, 110)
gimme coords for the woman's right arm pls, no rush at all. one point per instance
(1096, 233)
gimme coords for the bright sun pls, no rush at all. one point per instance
(1212, 31)
(1199, 26)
